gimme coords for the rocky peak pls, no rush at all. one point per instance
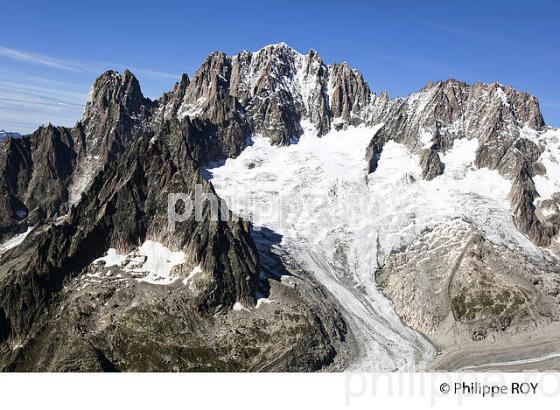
(171, 101)
(35, 171)
(180, 88)
(211, 80)
(281, 87)
(276, 86)
(486, 108)
(447, 110)
(116, 112)
(499, 117)
(114, 109)
(524, 107)
(349, 94)
(276, 89)
(113, 91)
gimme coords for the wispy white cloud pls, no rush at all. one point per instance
(155, 74)
(23, 107)
(27, 57)
(55, 90)
(42, 60)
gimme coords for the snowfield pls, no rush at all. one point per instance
(342, 223)
(14, 241)
(153, 261)
(549, 183)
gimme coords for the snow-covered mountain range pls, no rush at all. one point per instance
(374, 232)
(6, 134)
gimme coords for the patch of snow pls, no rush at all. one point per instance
(191, 110)
(239, 307)
(549, 211)
(196, 270)
(337, 121)
(83, 178)
(14, 241)
(89, 98)
(455, 127)
(426, 139)
(502, 95)
(61, 219)
(417, 102)
(159, 263)
(97, 275)
(112, 258)
(549, 183)
(261, 301)
(152, 260)
(531, 134)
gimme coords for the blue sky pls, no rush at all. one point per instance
(51, 52)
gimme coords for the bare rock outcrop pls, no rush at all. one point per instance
(431, 164)
(349, 95)
(522, 196)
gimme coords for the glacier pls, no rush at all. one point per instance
(342, 223)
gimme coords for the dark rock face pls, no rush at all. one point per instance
(375, 149)
(46, 172)
(350, 94)
(205, 104)
(124, 206)
(431, 164)
(50, 304)
(508, 155)
(522, 195)
(53, 157)
(115, 114)
(15, 173)
(35, 174)
(133, 195)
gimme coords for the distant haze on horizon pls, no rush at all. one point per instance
(47, 68)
